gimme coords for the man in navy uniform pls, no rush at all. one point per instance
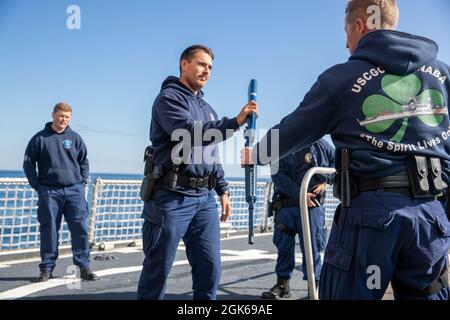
(63, 170)
(387, 112)
(287, 181)
(183, 206)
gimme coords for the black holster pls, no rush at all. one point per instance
(148, 187)
(270, 208)
(152, 176)
(343, 186)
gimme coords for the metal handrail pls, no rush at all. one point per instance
(13, 181)
(313, 295)
(95, 195)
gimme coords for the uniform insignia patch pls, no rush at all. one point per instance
(67, 144)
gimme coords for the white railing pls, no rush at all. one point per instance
(115, 212)
(304, 216)
(116, 209)
(19, 228)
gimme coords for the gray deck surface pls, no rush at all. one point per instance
(247, 271)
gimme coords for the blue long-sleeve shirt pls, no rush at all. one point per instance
(61, 159)
(291, 169)
(178, 109)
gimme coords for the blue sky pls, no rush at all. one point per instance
(111, 70)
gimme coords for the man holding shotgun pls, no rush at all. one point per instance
(183, 204)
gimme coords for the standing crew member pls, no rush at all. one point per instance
(183, 205)
(387, 112)
(63, 170)
(287, 181)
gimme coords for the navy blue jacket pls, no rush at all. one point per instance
(292, 169)
(388, 101)
(61, 159)
(177, 107)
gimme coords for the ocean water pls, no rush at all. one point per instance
(11, 174)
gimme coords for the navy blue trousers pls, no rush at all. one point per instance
(384, 237)
(169, 218)
(53, 204)
(289, 217)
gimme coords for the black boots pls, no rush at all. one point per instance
(87, 275)
(280, 290)
(44, 276)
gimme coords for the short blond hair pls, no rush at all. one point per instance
(62, 106)
(388, 9)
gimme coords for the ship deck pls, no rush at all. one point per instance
(247, 271)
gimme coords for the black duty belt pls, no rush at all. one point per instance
(190, 182)
(398, 183)
(421, 179)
